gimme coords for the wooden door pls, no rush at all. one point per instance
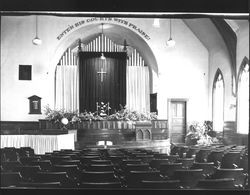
(178, 121)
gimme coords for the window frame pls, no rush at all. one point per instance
(218, 72)
(244, 62)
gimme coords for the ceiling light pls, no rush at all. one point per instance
(36, 40)
(102, 55)
(170, 42)
(156, 23)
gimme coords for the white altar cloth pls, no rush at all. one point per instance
(40, 143)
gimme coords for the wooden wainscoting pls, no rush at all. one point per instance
(16, 127)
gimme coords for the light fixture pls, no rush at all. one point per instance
(127, 48)
(156, 23)
(102, 55)
(170, 42)
(36, 40)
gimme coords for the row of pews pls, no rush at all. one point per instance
(186, 167)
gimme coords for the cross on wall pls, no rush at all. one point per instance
(102, 73)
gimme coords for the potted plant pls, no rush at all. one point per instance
(201, 133)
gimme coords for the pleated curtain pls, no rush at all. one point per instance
(67, 88)
(138, 88)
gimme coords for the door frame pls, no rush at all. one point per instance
(170, 100)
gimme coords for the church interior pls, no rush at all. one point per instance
(124, 102)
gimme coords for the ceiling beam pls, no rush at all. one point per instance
(180, 15)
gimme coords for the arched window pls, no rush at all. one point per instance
(218, 102)
(243, 98)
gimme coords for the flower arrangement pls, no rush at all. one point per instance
(102, 108)
(123, 114)
(201, 133)
(57, 115)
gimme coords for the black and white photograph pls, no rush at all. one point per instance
(124, 101)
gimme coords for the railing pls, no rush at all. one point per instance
(46, 124)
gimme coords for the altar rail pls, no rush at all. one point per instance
(119, 132)
(46, 124)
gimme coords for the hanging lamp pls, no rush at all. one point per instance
(36, 40)
(170, 42)
(102, 55)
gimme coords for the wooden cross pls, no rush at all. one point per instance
(102, 72)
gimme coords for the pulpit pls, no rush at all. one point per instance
(143, 130)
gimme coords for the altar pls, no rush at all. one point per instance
(40, 143)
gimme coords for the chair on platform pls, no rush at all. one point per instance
(192, 151)
(117, 160)
(160, 155)
(175, 150)
(237, 174)
(136, 167)
(3, 157)
(224, 183)
(186, 162)
(134, 154)
(216, 157)
(10, 179)
(183, 151)
(134, 178)
(27, 172)
(57, 159)
(10, 165)
(102, 162)
(97, 177)
(202, 155)
(40, 185)
(130, 161)
(72, 170)
(86, 160)
(207, 167)
(244, 163)
(168, 169)
(164, 184)
(172, 158)
(155, 163)
(70, 151)
(72, 162)
(99, 167)
(61, 177)
(45, 165)
(188, 178)
(11, 154)
(72, 156)
(145, 158)
(231, 160)
(30, 151)
(101, 185)
(27, 160)
(22, 153)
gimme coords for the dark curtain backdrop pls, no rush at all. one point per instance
(113, 87)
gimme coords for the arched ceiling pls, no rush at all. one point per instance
(118, 34)
(215, 33)
(205, 31)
